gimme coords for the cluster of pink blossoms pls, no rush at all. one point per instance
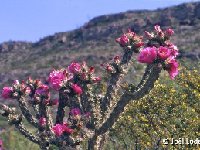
(72, 77)
(130, 40)
(164, 51)
(7, 92)
(33, 88)
(157, 49)
(59, 129)
(75, 123)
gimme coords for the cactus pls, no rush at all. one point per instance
(90, 116)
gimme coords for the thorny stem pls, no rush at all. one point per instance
(63, 98)
(150, 76)
(26, 112)
(17, 121)
(115, 81)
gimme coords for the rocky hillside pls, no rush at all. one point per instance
(95, 41)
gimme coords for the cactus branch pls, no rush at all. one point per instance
(150, 76)
(116, 79)
(26, 112)
(16, 120)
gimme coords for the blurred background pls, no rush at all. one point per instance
(36, 36)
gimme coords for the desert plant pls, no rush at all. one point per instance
(168, 111)
(91, 115)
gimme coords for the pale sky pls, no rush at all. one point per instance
(25, 20)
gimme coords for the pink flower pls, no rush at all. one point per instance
(169, 32)
(74, 68)
(123, 40)
(7, 91)
(67, 129)
(147, 55)
(75, 111)
(58, 129)
(163, 52)
(55, 79)
(42, 90)
(172, 67)
(157, 28)
(42, 121)
(77, 89)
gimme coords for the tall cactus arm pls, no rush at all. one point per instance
(115, 80)
(26, 112)
(63, 98)
(150, 76)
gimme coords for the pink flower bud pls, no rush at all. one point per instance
(117, 59)
(16, 82)
(130, 34)
(174, 53)
(74, 68)
(77, 89)
(58, 129)
(42, 121)
(42, 90)
(157, 28)
(1, 143)
(91, 70)
(66, 129)
(96, 79)
(169, 32)
(7, 91)
(138, 45)
(149, 35)
(83, 76)
(109, 68)
(123, 40)
(75, 111)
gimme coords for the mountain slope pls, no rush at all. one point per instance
(95, 41)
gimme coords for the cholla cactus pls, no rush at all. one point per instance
(90, 116)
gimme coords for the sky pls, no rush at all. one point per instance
(31, 20)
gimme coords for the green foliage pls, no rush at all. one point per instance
(12, 140)
(169, 111)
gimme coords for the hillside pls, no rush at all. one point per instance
(95, 41)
